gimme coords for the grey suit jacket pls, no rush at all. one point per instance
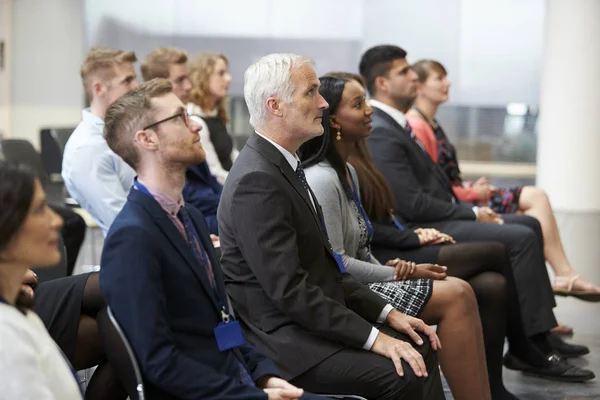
(279, 269)
(422, 191)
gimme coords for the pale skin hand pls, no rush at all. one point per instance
(429, 236)
(30, 279)
(483, 188)
(279, 389)
(487, 215)
(215, 241)
(398, 350)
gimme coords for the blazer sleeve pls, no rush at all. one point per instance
(425, 135)
(412, 202)
(266, 235)
(335, 211)
(130, 280)
(385, 235)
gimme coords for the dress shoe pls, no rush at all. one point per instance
(555, 369)
(564, 349)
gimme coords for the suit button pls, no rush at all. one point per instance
(339, 279)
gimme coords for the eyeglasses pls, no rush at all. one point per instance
(184, 116)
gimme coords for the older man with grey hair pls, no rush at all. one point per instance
(296, 301)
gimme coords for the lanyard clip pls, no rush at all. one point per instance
(224, 315)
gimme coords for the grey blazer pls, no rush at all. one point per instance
(342, 224)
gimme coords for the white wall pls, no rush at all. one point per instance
(491, 48)
(47, 43)
(5, 74)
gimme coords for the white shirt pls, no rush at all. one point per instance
(97, 178)
(212, 159)
(293, 159)
(32, 366)
(400, 119)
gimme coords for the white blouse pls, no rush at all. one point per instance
(32, 366)
(212, 159)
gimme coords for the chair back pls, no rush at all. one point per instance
(22, 151)
(120, 354)
(52, 144)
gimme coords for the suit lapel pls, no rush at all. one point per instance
(173, 235)
(437, 171)
(274, 155)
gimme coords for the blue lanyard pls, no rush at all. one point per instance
(224, 313)
(361, 210)
(396, 222)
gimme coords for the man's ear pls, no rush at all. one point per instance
(381, 84)
(274, 106)
(146, 139)
(98, 89)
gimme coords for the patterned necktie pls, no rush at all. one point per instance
(302, 177)
(196, 245)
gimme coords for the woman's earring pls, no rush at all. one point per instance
(339, 135)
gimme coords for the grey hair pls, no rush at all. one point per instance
(270, 76)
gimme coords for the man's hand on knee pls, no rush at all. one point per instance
(398, 350)
(410, 326)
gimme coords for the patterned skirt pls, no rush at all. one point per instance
(408, 296)
(504, 201)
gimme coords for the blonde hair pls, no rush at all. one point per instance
(130, 113)
(157, 62)
(101, 62)
(201, 68)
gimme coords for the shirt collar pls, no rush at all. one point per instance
(396, 114)
(92, 119)
(167, 203)
(292, 159)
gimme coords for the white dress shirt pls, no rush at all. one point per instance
(32, 366)
(400, 119)
(97, 178)
(293, 159)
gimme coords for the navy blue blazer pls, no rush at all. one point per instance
(163, 299)
(203, 191)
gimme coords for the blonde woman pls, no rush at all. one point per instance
(209, 73)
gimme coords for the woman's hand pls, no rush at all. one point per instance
(483, 189)
(430, 271)
(403, 269)
(428, 236)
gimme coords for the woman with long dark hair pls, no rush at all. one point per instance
(335, 183)
(32, 364)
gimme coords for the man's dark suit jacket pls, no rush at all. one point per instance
(280, 272)
(203, 191)
(422, 191)
(163, 299)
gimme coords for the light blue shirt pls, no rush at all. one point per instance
(97, 178)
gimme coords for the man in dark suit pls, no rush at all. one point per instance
(424, 197)
(159, 271)
(295, 300)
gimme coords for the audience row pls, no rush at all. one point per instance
(342, 232)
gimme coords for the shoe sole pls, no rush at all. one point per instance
(560, 378)
(589, 297)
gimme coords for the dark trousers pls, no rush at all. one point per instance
(73, 233)
(362, 373)
(523, 240)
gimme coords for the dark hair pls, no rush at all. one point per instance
(16, 194)
(377, 61)
(376, 194)
(425, 67)
(321, 147)
(348, 76)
